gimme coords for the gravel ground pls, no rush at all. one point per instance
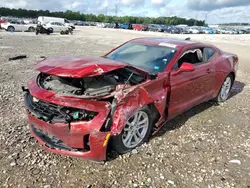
(208, 146)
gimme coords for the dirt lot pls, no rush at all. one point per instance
(193, 150)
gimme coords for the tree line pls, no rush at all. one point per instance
(71, 15)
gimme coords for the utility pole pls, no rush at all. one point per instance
(195, 22)
(206, 18)
(106, 9)
(116, 9)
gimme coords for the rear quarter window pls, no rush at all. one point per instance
(210, 53)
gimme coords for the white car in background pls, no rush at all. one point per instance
(56, 27)
(13, 26)
(47, 19)
(193, 31)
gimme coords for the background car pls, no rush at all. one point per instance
(112, 25)
(2, 21)
(101, 25)
(140, 27)
(126, 26)
(18, 26)
(56, 27)
(47, 19)
(172, 29)
(155, 27)
(193, 30)
(208, 31)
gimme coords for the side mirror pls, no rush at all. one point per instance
(185, 67)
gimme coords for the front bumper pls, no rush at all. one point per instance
(58, 138)
(83, 138)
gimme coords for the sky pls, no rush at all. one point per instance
(213, 11)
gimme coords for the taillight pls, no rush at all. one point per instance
(236, 62)
(235, 59)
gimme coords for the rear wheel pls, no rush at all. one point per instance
(11, 29)
(135, 132)
(31, 29)
(225, 89)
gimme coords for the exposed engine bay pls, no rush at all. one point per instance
(89, 87)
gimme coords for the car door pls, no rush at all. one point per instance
(17, 26)
(56, 27)
(24, 27)
(191, 88)
(62, 27)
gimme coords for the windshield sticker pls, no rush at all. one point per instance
(167, 45)
(156, 67)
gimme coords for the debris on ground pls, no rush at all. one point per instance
(235, 161)
(171, 182)
(17, 57)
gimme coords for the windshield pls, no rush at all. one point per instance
(152, 59)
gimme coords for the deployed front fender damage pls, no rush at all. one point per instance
(127, 103)
(133, 99)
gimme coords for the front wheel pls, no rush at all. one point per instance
(225, 89)
(135, 132)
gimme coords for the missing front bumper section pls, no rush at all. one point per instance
(53, 142)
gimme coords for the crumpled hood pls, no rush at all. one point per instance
(78, 67)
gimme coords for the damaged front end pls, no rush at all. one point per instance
(90, 87)
(76, 115)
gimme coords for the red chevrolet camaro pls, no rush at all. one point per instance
(79, 105)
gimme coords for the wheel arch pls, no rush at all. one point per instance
(11, 26)
(155, 113)
(232, 73)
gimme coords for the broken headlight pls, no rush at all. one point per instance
(73, 114)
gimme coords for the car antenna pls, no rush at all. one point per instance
(188, 38)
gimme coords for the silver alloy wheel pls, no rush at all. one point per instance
(135, 129)
(225, 89)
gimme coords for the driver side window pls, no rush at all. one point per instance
(194, 56)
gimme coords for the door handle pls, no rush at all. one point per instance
(208, 71)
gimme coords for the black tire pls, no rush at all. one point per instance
(62, 32)
(219, 98)
(51, 30)
(31, 29)
(117, 143)
(11, 29)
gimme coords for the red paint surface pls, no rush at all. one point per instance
(140, 27)
(78, 66)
